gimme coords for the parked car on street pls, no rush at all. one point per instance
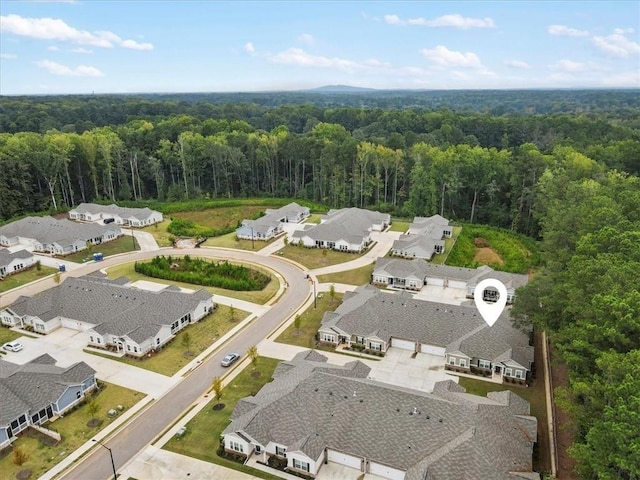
(229, 359)
(12, 346)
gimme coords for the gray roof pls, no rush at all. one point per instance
(432, 436)
(48, 230)
(400, 268)
(429, 225)
(350, 224)
(111, 305)
(113, 209)
(290, 209)
(6, 257)
(35, 385)
(417, 245)
(372, 312)
(273, 218)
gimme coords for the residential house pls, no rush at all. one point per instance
(374, 320)
(314, 413)
(130, 217)
(347, 230)
(111, 312)
(424, 239)
(270, 225)
(15, 262)
(398, 273)
(34, 393)
(58, 237)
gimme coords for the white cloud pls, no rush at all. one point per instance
(249, 48)
(52, 48)
(58, 69)
(306, 38)
(569, 66)
(453, 20)
(617, 45)
(299, 57)
(57, 29)
(8, 56)
(441, 56)
(516, 64)
(81, 50)
(564, 31)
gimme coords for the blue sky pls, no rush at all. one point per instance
(120, 46)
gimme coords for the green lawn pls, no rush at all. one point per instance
(201, 335)
(74, 430)
(313, 218)
(448, 246)
(310, 322)
(122, 244)
(19, 279)
(6, 335)
(357, 276)
(203, 432)
(260, 297)
(220, 217)
(399, 226)
(231, 241)
(315, 257)
(159, 232)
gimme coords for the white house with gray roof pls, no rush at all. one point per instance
(13, 262)
(347, 230)
(414, 274)
(58, 237)
(314, 413)
(271, 224)
(374, 320)
(424, 239)
(34, 393)
(111, 312)
(129, 217)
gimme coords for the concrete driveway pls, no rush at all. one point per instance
(333, 471)
(434, 293)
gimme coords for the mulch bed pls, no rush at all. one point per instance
(218, 406)
(255, 374)
(24, 474)
(94, 422)
(41, 437)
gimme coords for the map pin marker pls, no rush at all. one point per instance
(490, 311)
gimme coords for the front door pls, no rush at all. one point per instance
(498, 369)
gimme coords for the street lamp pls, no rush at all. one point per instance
(315, 296)
(115, 475)
(252, 244)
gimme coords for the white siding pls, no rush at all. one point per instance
(386, 472)
(457, 284)
(435, 281)
(404, 344)
(433, 350)
(344, 459)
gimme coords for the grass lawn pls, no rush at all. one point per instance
(221, 217)
(357, 276)
(201, 335)
(313, 218)
(315, 257)
(203, 432)
(260, 297)
(535, 395)
(74, 430)
(6, 335)
(448, 245)
(231, 241)
(159, 232)
(399, 226)
(310, 322)
(122, 244)
(18, 279)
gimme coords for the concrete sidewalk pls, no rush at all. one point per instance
(145, 240)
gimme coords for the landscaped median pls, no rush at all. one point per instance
(41, 453)
(202, 437)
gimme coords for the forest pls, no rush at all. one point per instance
(560, 167)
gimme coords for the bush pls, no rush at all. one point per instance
(19, 456)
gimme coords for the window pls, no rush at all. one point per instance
(258, 449)
(328, 338)
(157, 341)
(463, 362)
(375, 346)
(518, 373)
(507, 372)
(91, 338)
(97, 340)
(281, 451)
(78, 394)
(22, 419)
(233, 445)
(129, 348)
(135, 349)
(360, 340)
(452, 361)
(484, 364)
(300, 465)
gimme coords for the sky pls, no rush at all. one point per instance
(120, 46)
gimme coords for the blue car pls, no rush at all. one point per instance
(229, 359)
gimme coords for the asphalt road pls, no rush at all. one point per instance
(142, 430)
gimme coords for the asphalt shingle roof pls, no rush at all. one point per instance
(426, 435)
(47, 230)
(350, 224)
(122, 212)
(6, 257)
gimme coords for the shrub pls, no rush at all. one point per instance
(19, 456)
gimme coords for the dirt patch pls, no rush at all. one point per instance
(94, 422)
(255, 374)
(41, 437)
(565, 429)
(24, 474)
(185, 243)
(218, 406)
(480, 242)
(487, 256)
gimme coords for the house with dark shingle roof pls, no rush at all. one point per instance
(270, 225)
(424, 239)
(314, 413)
(34, 393)
(15, 262)
(415, 274)
(111, 312)
(58, 237)
(129, 217)
(347, 230)
(371, 319)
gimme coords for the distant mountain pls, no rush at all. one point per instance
(340, 89)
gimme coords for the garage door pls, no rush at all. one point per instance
(404, 344)
(457, 284)
(386, 472)
(435, 281)
(433, 350)
(72, 324)
(344, 459)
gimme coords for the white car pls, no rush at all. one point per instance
(12, 346)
